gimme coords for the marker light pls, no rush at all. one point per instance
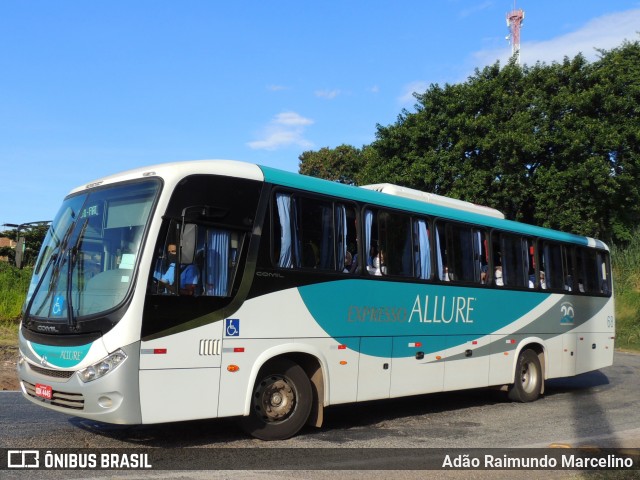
(104, 366)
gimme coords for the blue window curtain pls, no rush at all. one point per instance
(439, 255)
(368, 222)
(284, 213)
(217, 265)
(341, 234)
(477, 252)
(423, 255)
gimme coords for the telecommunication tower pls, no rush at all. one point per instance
(514, 22)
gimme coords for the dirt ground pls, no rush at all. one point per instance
(8, 375)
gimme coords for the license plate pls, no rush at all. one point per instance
(44, 391)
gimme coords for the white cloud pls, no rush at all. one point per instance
(284, 130)
(291, 119)
(328, 94)
(407, 97)
(605, 32)
(276, 88)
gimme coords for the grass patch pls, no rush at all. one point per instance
(15, 283)
(626, 283)
(9, 333)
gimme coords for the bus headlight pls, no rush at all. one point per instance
(104, 366)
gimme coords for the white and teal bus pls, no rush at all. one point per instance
(217, 288)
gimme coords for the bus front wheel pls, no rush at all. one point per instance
(528, 378)
(280, 402)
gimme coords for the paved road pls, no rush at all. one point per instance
(600, 409)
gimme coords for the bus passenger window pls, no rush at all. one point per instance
(530, 260)
(441, 253)
(589, 268)
(283, 235)
(463, 251)
(513, 250)
(371, 252)
(496, 254)
(605, 281)
(567, 261)
(551, 266)
(422, 249)
(395, 247)
(347, 238)
(480, 256)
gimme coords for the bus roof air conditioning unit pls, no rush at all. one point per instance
(433, 199)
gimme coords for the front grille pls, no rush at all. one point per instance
(73, 401)
(61, 374)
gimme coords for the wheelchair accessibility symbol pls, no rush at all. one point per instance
(232, 327)
(58, 305)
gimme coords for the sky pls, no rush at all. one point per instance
(90, 88)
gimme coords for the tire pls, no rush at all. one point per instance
(280, 402)
(528, 378)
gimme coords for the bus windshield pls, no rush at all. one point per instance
(87, 259)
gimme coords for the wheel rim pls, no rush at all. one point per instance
(529, 377)
(275, 399)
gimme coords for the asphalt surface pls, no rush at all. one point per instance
(597, 410)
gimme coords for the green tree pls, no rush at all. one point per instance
(555, 145)
(341, 164)
(33, 238)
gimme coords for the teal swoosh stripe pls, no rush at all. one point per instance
(367, 308)
(63, 357)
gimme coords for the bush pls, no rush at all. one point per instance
(626, 278)
(14, 285)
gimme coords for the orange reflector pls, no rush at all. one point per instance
(238, 350)
(438, 357)
(233, 368)
(343, 362)
(342, 347)
(506, 353)
(159, 351)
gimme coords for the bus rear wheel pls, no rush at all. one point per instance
(281, 401)
(528, 378)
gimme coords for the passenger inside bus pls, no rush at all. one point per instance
(348, 262)
(189, 274)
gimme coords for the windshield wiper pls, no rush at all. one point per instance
(52, 259)
(71, 262)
